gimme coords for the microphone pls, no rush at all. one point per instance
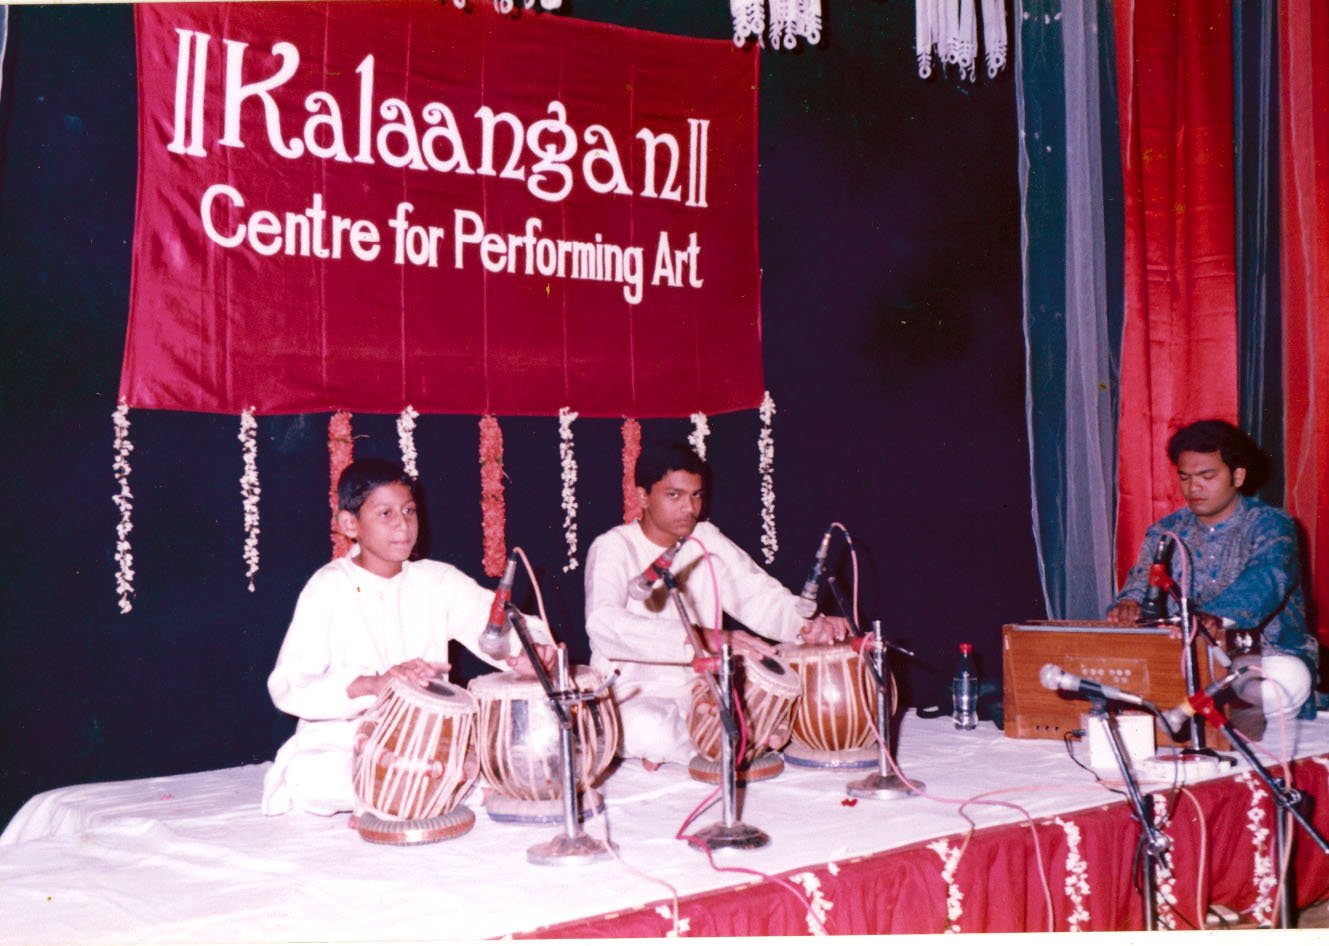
(639, 589)
(1154, 604)
(1202, 703)
(493, 639)
(1054, 678)
(806, 605)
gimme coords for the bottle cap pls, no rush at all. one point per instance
(966, 649)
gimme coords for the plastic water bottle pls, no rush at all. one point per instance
(964, 691)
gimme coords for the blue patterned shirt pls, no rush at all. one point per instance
(1246, 568)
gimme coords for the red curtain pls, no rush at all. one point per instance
(1304, 187)
(1179, 345)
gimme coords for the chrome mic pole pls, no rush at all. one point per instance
(730, 832)
(574, 846)
(883, 783)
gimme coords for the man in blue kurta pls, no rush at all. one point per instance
(1244, 563)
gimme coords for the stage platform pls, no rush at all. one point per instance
(190, 859)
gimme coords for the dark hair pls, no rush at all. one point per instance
(1237, 449)
(657, 460)
(362, 477)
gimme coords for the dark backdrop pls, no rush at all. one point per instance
(890, 247)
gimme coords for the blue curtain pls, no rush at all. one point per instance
(1070, 193)
(1259, 326)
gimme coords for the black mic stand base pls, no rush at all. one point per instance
(737, 835)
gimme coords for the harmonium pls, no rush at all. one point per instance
(1145, 661)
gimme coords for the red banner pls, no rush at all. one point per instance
(361, 206)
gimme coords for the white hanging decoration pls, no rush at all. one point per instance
(700, 430)
(1166, 889)
(770, 543)
(569, 463)
(818, 905)
(505, 7)
(789, 20)
(406, 439)
(950, 860)
(1262, 855)
(946, 31)
(249, 491)
(1077, 877)
(124, 501)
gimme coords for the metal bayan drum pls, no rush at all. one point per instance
(519, 745)
(833, 725)
(769, 689)
(410, 767)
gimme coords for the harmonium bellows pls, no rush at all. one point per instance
(1145, 661)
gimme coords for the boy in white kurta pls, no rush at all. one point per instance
(360, 622)
(645, 640)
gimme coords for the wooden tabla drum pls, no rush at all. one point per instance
(519, 743)
(410, 769)
(834, 721)
(769, 689)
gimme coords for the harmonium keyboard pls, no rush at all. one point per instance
(1144, 661)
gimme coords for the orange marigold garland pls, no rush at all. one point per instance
(340, 449)
(493, 510)
(631, 450)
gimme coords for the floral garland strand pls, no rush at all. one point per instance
(250, 491)
(770, 542)
(1262, 855)
(631, 450)
(950, 860)
(700, 430)
(406, 439)
(340, 451)
(1165, 879)
(818, 906)
(1077, 876)
(124, 501)
(569, 463)
(493, 507)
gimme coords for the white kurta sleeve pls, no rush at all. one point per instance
(747, 592)
(614, 630)
(311, 677)
(467, 605)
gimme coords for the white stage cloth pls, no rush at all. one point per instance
(189, 858)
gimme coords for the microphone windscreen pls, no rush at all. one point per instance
(1050, 676)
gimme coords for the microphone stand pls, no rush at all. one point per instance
(1152, 841)
(1288, 799)
(884, 783)
(730, 832)
(574, 845)
(718, 689)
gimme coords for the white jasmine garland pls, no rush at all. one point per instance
(818, 905)
(249, 491)
(681, 924)
(1262, 855)
(1077, 876)
(770, 543)
(700, 430)
(569, 462)
(1165, 880)
(406, 438)
(124, 501)
(950, 860)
